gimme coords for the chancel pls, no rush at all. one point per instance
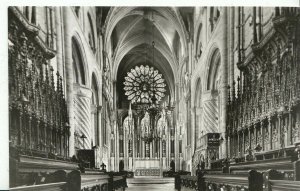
(154, 98)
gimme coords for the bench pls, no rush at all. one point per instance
(283, 164)
(279, 185)
(99, 180)
(274, 181)
(94, 180)
(252, 181)
(188, 182)
(58, 186)
(57, 181)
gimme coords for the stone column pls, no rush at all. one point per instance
(224, 83)
(69, 75)
(59, 43)
(151, 149)
(125, 151)
(117, 151)
(210, 112)
(82, 116)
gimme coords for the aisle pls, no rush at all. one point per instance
(150, 183)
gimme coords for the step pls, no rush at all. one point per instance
(150, 180)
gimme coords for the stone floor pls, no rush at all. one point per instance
(150, 183)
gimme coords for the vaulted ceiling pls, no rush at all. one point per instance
(130, 31)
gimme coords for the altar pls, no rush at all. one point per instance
(147, 167)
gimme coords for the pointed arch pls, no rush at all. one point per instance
(91, 35)
(78, 64)
(214, 65)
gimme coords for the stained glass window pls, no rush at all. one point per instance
(142, 82)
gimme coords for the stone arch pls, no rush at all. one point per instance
(79, 69)
(210, 97)
(214, 65)
(198, 48)
(91, 36)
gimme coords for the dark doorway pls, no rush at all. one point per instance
(121, 166)
(172, 166)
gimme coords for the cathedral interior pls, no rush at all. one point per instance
(193, 98)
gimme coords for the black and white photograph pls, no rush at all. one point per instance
(142, 98)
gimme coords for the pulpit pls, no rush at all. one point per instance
(210, 148)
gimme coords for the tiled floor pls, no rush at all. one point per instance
(150, 183)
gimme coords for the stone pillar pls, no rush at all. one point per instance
(59, 43)
(125, 151)
(150, 149)
(143, 149)
(69, 75)
(210, 112)
(117, 151)
(232, 45)
(224, 83)
(82, 116)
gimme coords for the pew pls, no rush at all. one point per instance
(279, 185)
(94, 180)
(36, 173)
(58, 181)
(101, 180)
(275, 180)
(252, 181)
(58, 186)
(282, 164)
(39, 173)
(188, 182)
(178, 178)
